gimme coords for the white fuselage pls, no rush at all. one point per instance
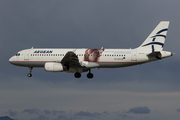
(89, 58)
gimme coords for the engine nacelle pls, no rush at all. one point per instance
(53, 67)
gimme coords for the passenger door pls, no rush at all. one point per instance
(134, 55)
(26, 56)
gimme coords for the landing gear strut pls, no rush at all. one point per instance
(90, 75)
(30, 70)
(77, 75)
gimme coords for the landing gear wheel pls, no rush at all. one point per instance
(29, 75)
(90, 75)
(30, 70)
(77, 75)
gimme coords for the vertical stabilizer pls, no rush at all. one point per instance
(155, 41)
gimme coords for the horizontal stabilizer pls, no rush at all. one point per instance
(156, 54)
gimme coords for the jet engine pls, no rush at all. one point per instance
(53, 67)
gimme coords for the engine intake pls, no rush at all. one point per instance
(53, 67)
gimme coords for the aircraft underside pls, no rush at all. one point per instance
(77, 70)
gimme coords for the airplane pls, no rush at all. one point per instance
(83, 60)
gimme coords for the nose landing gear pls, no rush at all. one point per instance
(30, 70)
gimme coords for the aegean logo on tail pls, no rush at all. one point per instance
(154, 38)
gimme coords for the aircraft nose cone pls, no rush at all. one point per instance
(11, 60)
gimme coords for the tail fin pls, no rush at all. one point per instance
(155, 41)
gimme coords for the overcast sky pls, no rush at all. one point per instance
(150, 91)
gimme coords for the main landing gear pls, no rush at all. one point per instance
(30, 70)
(89, 75)
(77, 75)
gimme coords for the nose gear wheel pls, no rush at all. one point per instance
(30, 70)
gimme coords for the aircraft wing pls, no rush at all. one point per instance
(71, 59)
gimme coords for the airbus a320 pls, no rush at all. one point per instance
(83, 60)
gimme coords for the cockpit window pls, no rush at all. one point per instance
(18, 54)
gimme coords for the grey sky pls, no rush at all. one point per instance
(112, 93)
